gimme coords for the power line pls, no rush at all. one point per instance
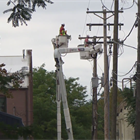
(106, 7)
(85, 18)
(112, 4)
(131, 29)
(128, 7)
(130, 46)
(121, 43)
(127, 72)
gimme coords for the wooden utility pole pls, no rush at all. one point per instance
(115, 72)
(106, 73)
(137, 122)
(94, 104)
(106, 79)
(94, 100)
(94, 94)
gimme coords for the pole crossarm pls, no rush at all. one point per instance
(93, 12)
(97, 37)
(100, 24)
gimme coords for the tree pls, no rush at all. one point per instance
(22, 10)
(130, 101)
(9, 80)
(44, 99)
(120, 98)
(14, 132)
(100, 126)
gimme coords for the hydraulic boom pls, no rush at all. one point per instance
(60, 44)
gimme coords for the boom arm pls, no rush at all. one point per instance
(91, 50)
(61, 88)
(61, 93)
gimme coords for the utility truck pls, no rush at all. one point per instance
(60, 44)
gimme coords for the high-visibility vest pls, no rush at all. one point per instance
(86, 42)
(62, 31)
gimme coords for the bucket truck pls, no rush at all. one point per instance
(60, 44)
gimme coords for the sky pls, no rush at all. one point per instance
(45, 24)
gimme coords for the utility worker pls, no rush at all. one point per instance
(86, 42)
(62, 30)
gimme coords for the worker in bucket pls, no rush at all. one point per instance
(62, 30)
(87, 42)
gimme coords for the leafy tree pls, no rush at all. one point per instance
(100, 126)
(22, 10)
(130, 101)
(44, 101)
(120, 98)
(44, 98)
(14, 132)
(9, 80)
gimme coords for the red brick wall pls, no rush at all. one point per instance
(18, 105)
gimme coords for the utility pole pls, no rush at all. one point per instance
(106, 79)
(137, 122)
(106, 73)
(115, 72)
(106, 70)
(94, 104)
(94, 97)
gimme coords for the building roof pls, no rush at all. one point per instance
(10, 119)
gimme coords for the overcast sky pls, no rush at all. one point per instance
(45, 25)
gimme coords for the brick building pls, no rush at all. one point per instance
(21, 105)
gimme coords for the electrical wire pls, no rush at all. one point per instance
(130, 46)
(125, 45)
(128, 7)
(85, 18)
(116, 80)
(131, 29)
(127, 72)
(98, 94)
(121, 51)
(136, 2)
(138, 80)
(128, 81)
(112, 4)
(84, 25)
(105, 6)
(100, 67)
(98, 27)
(88, 3)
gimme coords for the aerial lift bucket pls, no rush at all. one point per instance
(63, 41)
(84, 55)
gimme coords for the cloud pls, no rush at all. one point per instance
(45, 25)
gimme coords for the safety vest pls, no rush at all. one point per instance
(86, 42)
(62, 31)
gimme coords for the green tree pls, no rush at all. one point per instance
(44, 101)
(7, 82)
(130, 101)
(100, 131)
(100, 126)
(44, 98)
(22, 10)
